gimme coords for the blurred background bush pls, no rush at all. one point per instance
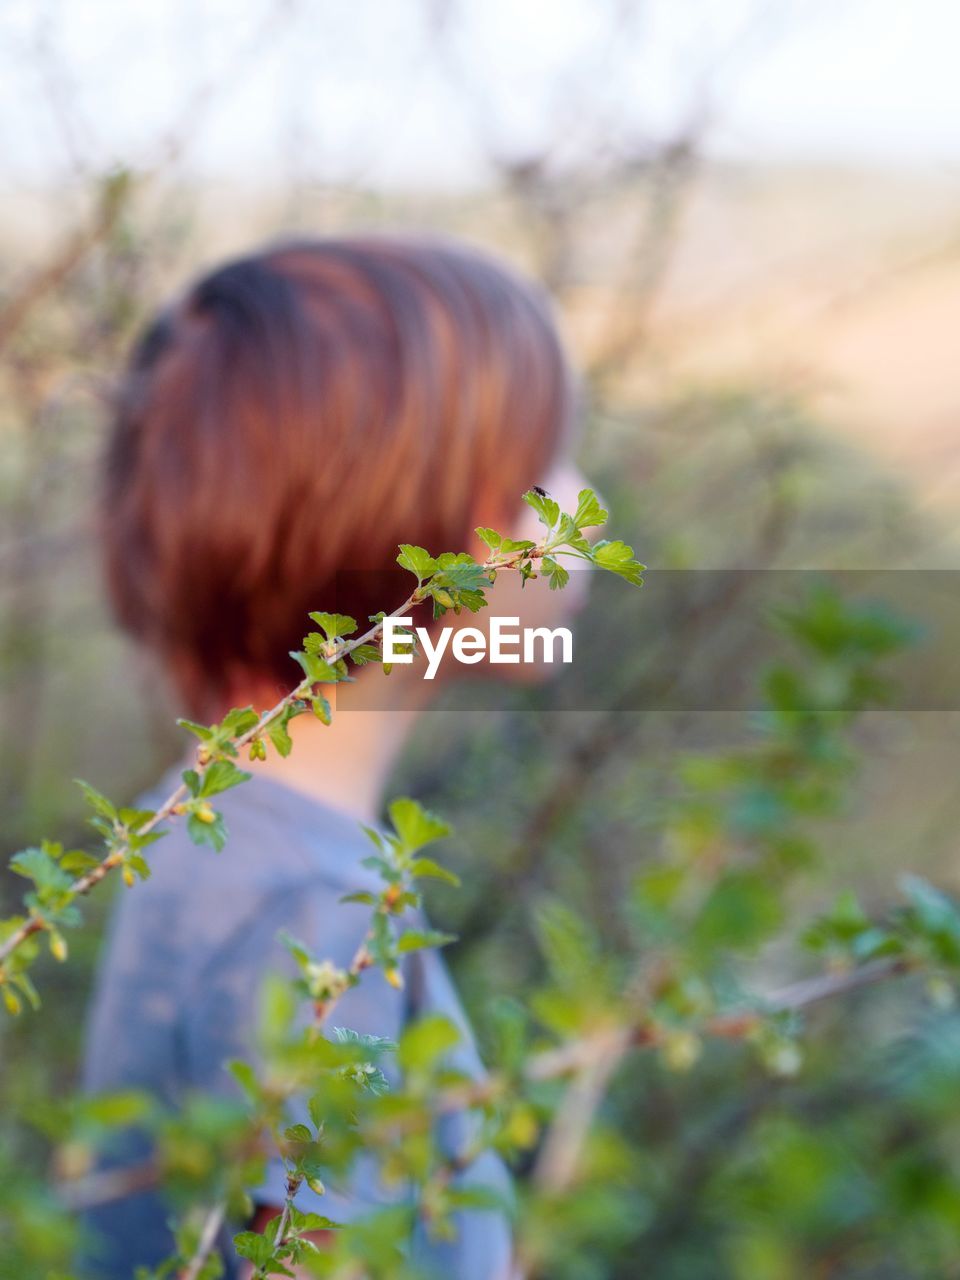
(748, 215)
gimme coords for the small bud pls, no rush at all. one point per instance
(72, 1160)
(316, 1186)
(203, 756)
(321, 709)
(680, 1050)
(443, 597)
(325, 980)
(784, 1059)
(258, 750)
(522, 1129)
(387, 668)
(394, 977)
(179, 810)
(129, 879)
(941, 993)
(11, 1000)
(206, 814)
(391, 896)
(58, 946)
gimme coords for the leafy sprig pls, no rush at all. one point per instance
(451, 580)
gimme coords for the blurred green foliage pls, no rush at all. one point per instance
(707, 1162)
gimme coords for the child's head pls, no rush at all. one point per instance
(299, 413)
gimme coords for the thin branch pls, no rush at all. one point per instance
(205, 1245)
(592, 1058)
(170, 808)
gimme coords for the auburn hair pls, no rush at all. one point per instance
(296, 415)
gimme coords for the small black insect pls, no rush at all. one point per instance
(542, 492)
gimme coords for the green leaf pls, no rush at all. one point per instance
(138, 864)
(568, 946)
(490, 537)
(365, 653)
(427, 867)
(742, 911)
(77, 861)
(221, 775)
(372, 1046)
(237, 721)
(279, 735)
(256, 1248)
(589, 512)
(321, 709)
(200, 731)
(44, 871)
(420, 939)
(24, 983)
(364, 897)
(298, 1133)
(546, 508)
(313, 664)
(418, 561)
(415, 825)
(97, 801)
(245, 1077)
(315, 1222)
(425, 1041)
(213, 834)
(934, 916)
(556, 574)
(296, 948)
(334, 625)
(618, 558)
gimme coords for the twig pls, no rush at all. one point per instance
(205, 1245)
(169, 808)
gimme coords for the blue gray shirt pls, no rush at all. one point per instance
(177, 997)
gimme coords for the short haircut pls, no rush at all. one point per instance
(297, 414)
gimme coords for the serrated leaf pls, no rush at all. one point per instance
(237, 721)
(245, 1077)
(545, 507)
(97, 801)
(490, 537)
(201, 731)
(314, 666)
(415, 825)
(44, 871)
(617, 557)
(279, 735)
(256, 1248)
(77, 861)
(213, 834)
(334, 625)
(220, 776)
(589, 513)
(365, 653)
(434, 870)
(556, 574)
(416, 560)
(421, 939)
(425, 1041)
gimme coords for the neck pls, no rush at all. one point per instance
(346, 764)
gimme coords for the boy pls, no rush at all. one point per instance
(281, 429)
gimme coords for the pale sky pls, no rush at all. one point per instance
(356, 90)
